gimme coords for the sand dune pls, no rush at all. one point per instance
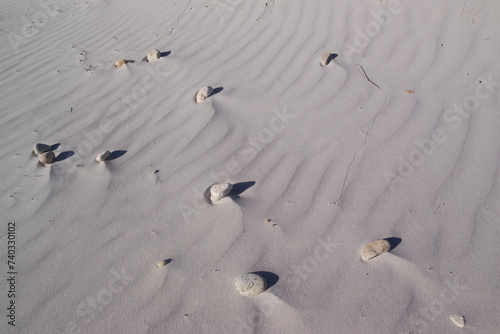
(397, 137)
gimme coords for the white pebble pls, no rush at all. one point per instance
(458, 320)
(325, 59)
(218, 191)
(120, 63)
(203, 93)
(103, 156)
(375, 248)
(47, 158)
(153, 55)
(161, 263)
(250, 284)
(41, 148)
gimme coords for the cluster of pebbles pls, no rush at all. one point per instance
(154, 55)
(45, 154)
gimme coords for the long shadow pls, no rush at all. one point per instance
(239, 188)
(55, 146)
(217, 90)
(164, 54)
(394, 242)
(116, 154)
(64, 155)
(270, 277)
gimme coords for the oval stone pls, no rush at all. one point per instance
(120, 63)
(458, 320)
(218, 191)
(374, 249)
(41, 148)
(203, 93)
(103, 156)
(250, 284)
(325, 59)
(47, 157)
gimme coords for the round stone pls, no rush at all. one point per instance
(41, 148)
(103, 156)
(153, 55)
(250, 284)
(374, 249)
(218, 191)
(203, 93)
(47, 158)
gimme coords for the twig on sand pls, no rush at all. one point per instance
(267, 5)
(178, 18)
(363, 73)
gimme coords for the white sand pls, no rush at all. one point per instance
(323, 152)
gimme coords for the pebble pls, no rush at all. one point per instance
(41, 148)
(103, 156)
(120, 63)
(218, 191)
(325, 59)
(203, 93)
(161, 263)
(458, 320)
(374, 249)
(47, 158)
(153, 55)
(250, 284)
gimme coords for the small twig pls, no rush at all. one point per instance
(178, 18)
(367, 132)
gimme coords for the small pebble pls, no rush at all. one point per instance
(458, 320)
(203, 93)
(47, 158)
(120, 63)
(325, 59)
(374, 249)
(41, 148)
(153, 55)
(161, 263)
(103, 156)
(218, 191)
(250, 284)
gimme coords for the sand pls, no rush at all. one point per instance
(397, 137)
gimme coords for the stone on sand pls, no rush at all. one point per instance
(203, 93)
(218, 191)
(41, 148)
(250, 284)
(120, 63)
(374, 249)
(153, 55)
(161, 263)
(103, 156)
(47, 158)
(458, 320)
(325, 59)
